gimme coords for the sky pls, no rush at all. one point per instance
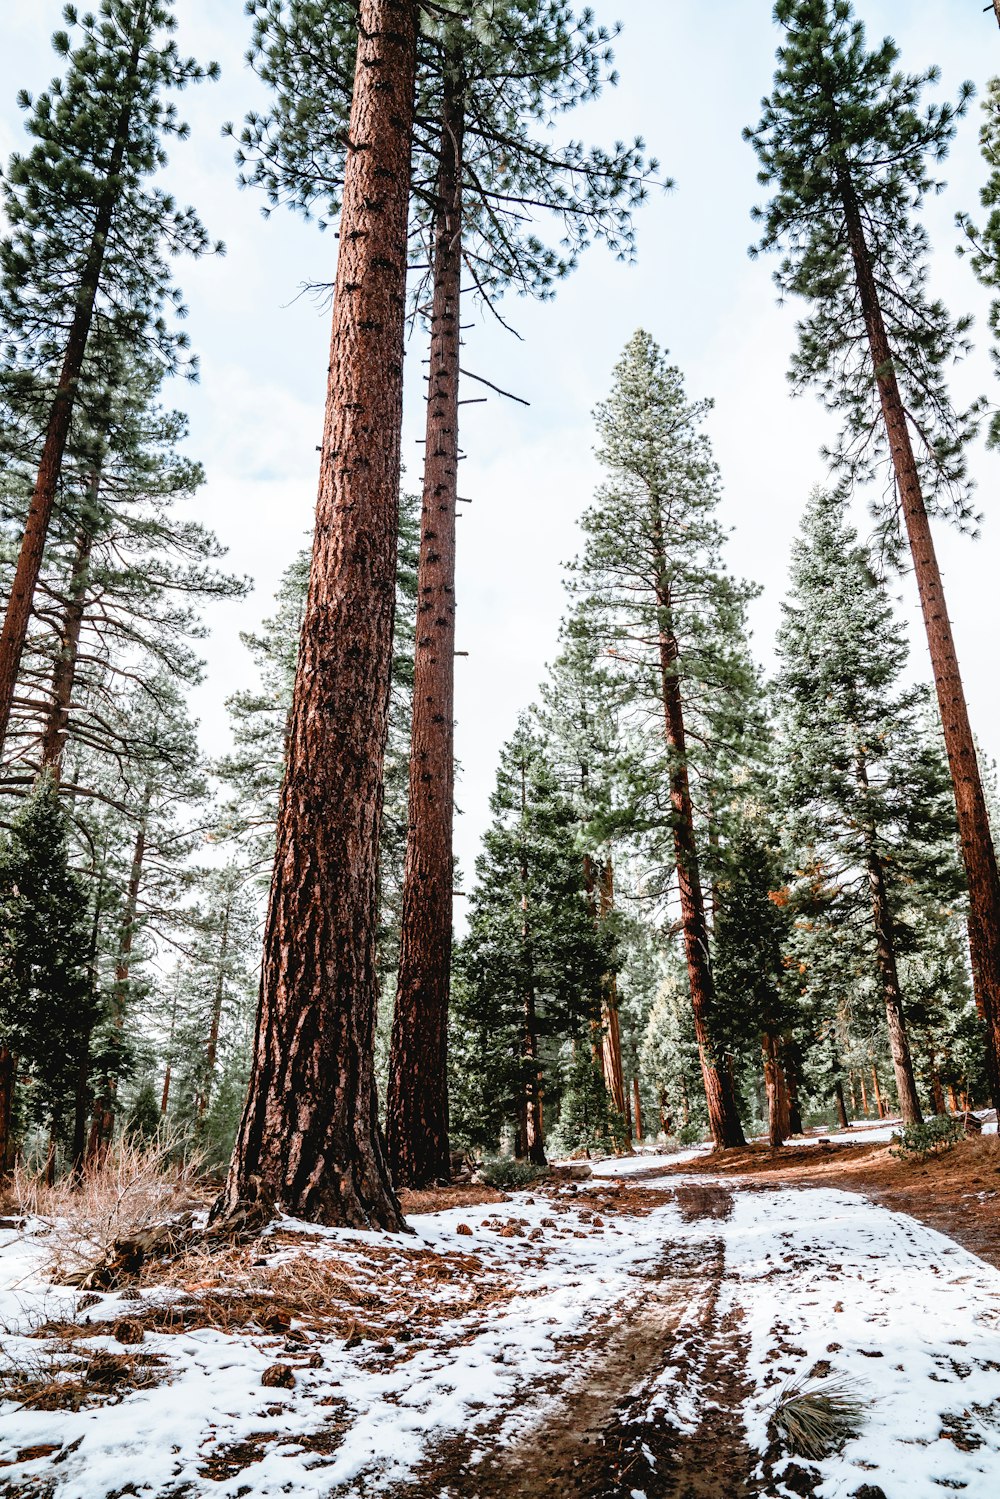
(691, 77)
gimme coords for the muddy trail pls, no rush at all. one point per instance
(607, 1427)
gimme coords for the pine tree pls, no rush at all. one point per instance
(661, 606)
(749, 935)
(849, 152)
(865, 788)
(485, 79)
(45, 1011)
(309, 1140)
(83, 268)
(533, 963)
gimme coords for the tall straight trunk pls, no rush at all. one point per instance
(417, 1103)
(82, 1100)
(775, 1089)
(8, 1072)
(723, 1117)
(937, 1092)
(215, 1020)
(102, 1124)
(531, 1127)
(996, 10)
(611, 1040)
(637, 1106)
(165, 1095)
(838, 1093)
(880, 1106)
(864, 1093)
(309, 1140)
(970, 803)
(36, 526)
(64, 673)
(892, 996)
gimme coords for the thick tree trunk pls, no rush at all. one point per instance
(417, 1105)
(64, 674)
(309, 1141)
(892, 997)
(36, 526)
(8, 1072)
(838, 1093)
(775, 1089)
(723, 1118)
(970, 803)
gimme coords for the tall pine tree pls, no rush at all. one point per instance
(849, 151)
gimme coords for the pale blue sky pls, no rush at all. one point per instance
(692, 75)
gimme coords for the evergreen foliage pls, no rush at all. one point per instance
(46, 1012)
(845, 132)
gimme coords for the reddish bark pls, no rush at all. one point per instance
(215, 1021)
(64, 673)
(838, 1093)
(878, 1093)
(775, 1089)
(637, 1105)
(417, 1105)
(611, 1040)
(892, 996)
(723, 1117)
(36, 526)
(309, 1140)
(970, 803)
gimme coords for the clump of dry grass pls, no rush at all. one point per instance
(135, 1187)
(814, 1419)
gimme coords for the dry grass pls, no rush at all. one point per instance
(134, 1188)
(814, 1420)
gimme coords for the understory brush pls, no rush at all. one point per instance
(814, 1420)
(918, 1141)
(135, 1186)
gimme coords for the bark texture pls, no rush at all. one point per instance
(838, 1093)
(309, 1140)
(970, 803)
(611, 1039)
(723, 1117)
(892, 994)
(64, 672)
(7, 1072)
(417, 1105)
(776, 1090)
(36, 526)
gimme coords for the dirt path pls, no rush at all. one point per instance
(601, 1429)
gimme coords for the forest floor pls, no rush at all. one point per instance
(626, 1337)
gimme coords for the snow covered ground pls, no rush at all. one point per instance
(815, 1282)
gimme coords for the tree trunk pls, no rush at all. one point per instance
(880, 1106)
(417, 1106)
(102, 1125)
(723, 1117)
(854, 1097)
(532, 1128)
(864, 1093)
(64, 674)
(36, 526)
(215, 1023)
(970, 803)
(637, 1101)
(611, 1040)
(838, 1093)
(937, 1092)
(892, 997)
(8, 1071)
(309, 1140)
(775, 1089)
(996, 10)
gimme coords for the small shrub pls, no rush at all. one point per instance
(815, 1420)
(690, 1134)
(138, 1184)
(507, 1173)
(918, 1141)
